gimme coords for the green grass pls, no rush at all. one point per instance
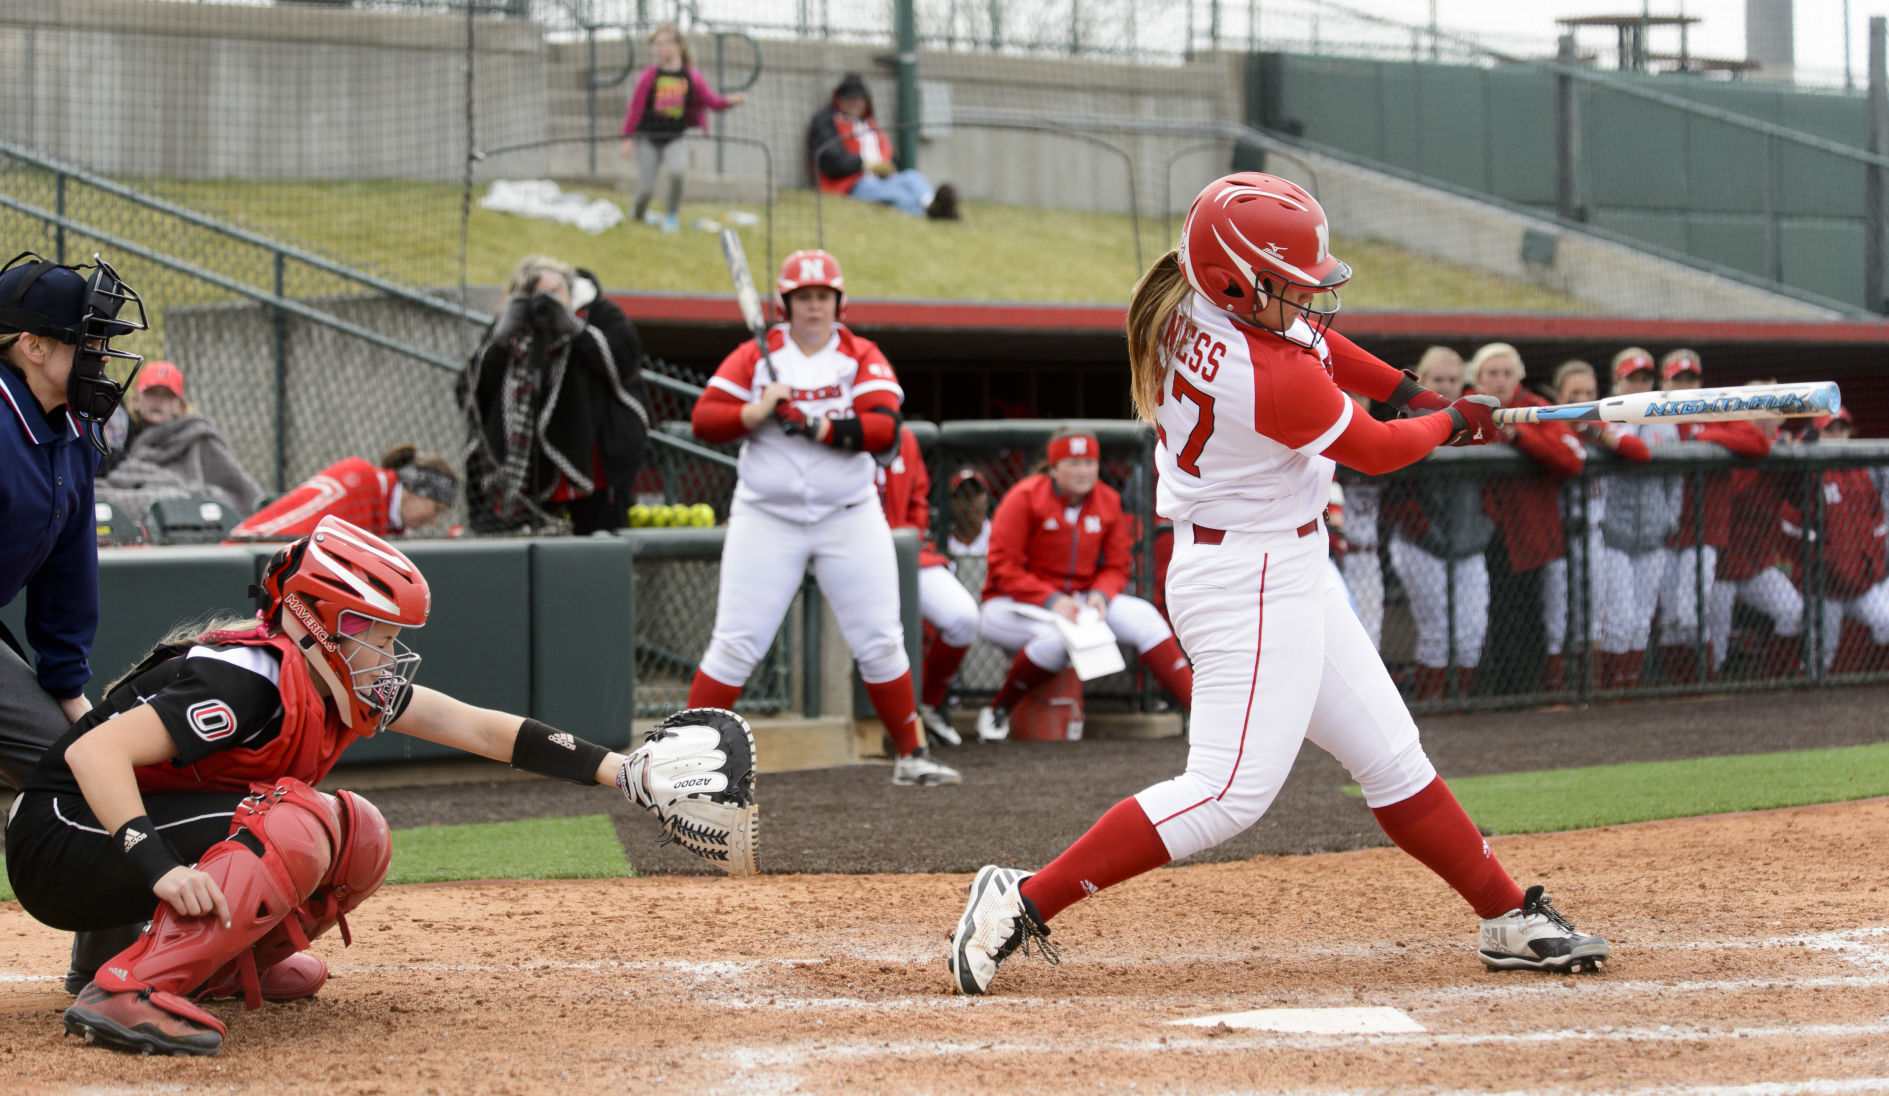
(584, 847)
(1608, 795)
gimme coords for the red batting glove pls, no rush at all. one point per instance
(793, 420)
(1474, 419)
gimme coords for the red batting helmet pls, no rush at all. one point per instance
(335, 583)
(810, 267)
(1250, 235)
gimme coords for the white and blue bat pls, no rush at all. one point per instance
(1753, 401)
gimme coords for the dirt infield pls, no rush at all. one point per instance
(1751, 950)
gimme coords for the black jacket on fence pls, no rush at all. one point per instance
(556, 415)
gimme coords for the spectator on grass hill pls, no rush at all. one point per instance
(669, 99)
(408, 491)
(172, 452)
(851, 156)
(555, 407)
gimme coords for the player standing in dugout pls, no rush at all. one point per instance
(811, 446)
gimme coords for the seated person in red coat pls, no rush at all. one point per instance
(852, 156)
(1060, 540)
(408, 491)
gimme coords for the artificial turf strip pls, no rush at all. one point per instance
(584, 847)
(1606, 795)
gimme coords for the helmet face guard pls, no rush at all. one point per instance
(91, 395)
(378, 682)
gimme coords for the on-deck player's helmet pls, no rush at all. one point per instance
(1248, 236)
(334, 584)
(810, 267)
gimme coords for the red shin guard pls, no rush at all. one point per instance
(1024, 675)
(941, 665)
(1121, 845)
(706, 692)
(893, 703)
(1432, 827)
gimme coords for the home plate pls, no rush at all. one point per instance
(1315, 1021)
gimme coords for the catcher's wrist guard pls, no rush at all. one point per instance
(696, 772)
(547, 751)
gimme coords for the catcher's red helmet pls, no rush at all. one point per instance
(809, 267)
(335, 583)
(1250, 235)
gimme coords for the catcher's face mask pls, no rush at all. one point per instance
(88, 324)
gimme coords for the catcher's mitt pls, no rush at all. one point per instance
(696, 771)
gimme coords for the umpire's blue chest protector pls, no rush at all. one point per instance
(48, 546)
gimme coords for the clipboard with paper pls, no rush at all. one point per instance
(1092, 646)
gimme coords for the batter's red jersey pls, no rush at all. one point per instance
(905, 493)
(1041, 547)
(1527, 509)
(352, 489)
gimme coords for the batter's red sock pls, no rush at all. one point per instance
(1432, 827)
(892, 702)
(1170, 667)
(1024, 675)
(706, 692)
(941, 665)
(1121, 845)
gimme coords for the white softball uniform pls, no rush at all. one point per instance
(1872, 609)
(1364, 575)
(799, 503)
(1447, 599)
(1566, 591)
(1679, 597)
(1134, 622)
(947, 606)
(1768, 591)
(1626, 617)
(1278, 654)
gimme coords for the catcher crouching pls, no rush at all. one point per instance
(187, 800)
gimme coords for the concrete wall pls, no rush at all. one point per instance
(131, 87)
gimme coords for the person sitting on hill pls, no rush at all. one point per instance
(409, 491)
(172, 452)
(851, 156)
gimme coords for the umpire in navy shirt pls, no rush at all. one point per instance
(55, 323)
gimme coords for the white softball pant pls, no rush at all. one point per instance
(1134, 621)
(1626, 616)
(1364, 577)
(947, 606)
(1427, 580)
(762, 562)
(1872, 609)
(1679, 597)
(1563, 588)
(1279, 657)
(1768, 591)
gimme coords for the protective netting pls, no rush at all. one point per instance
(676, 585)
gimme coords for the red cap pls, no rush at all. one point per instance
(1681, 365)
(1636, 363)
(968, 475)
(1842, 416)
(161, 375)
(1075, 445)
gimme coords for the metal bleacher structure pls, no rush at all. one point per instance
(303, 356)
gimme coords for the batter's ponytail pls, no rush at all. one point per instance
(1159, 292)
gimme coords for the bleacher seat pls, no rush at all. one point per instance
(189, 521)
(115, 526)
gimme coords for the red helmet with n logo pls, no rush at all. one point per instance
(1250, 235)
(811, 267)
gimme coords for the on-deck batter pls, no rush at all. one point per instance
(1229, 358)
(805, 494)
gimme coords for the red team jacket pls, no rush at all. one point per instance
(905, 492)
(1720, 488)
(1853, 530)
(311, 740)
(1527, 509)
(1036, 552)
(352, 489)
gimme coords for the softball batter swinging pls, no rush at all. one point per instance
(806, 492)
(1232, 361)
